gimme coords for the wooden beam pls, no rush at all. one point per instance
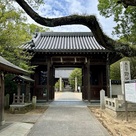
(39, 63)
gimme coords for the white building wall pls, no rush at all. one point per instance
(116, 89)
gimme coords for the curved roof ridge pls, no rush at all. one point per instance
(65, 42)
(66, 33)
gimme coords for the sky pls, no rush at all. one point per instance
(59, 8)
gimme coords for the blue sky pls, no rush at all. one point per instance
(58, 8)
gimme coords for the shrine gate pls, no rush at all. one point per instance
(69, 49)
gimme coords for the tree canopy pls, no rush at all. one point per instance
(77, 72)
(125, 19)
(91, 22)
(14, 32)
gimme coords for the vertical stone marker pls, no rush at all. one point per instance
(102, 97)
(75, 84)
(60, 86)
(125, 75)
(125, 72)
(34, 101)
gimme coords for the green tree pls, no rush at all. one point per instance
(125, 29)
(125, 19)
(77, 72)
(15, 32)
(115, 68)
(115, 71)
(57, 85)
(10, 86)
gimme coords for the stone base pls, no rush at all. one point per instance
(120, 114)
(2, 122)
(20, 108)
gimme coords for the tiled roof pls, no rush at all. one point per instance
(21, 78)
(64, 42)
(10, 67)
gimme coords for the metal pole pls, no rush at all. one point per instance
(110, 89)
(126, 104)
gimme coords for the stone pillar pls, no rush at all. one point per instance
(2, 99)
(60, 84)
(34, 100)
(75, 84)
(6, 101)
(29, 97)
(23, 98)
(102, 97)
(125, 73)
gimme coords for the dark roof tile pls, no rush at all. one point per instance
(10, 67)
(65, 42)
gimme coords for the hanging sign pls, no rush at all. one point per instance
(130, 91)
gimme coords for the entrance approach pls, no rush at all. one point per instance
(67, 49)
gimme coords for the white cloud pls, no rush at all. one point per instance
(76, 7)
(58, 8)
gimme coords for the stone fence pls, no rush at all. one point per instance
(114, 103)
(116, 108)
(21, 98)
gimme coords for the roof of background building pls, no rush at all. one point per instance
(10, 67)
(20, 78)
(64, 42)
(63, 72)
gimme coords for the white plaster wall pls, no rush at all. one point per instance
(116, 89)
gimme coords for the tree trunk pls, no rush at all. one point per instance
(127, 3)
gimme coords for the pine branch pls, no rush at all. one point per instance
(89, 21)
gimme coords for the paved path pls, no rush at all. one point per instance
(18, 124)
(68, 116)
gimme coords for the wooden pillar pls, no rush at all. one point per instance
(1, 99)
(48, 79)
(84, 93)
(52, 74)
(88, 80)
(108, 75)
(18, 92)
(53, 83)
(82, 87)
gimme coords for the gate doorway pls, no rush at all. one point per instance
(68, 82)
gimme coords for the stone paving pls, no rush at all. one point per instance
(16, 129)
(68, 116)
